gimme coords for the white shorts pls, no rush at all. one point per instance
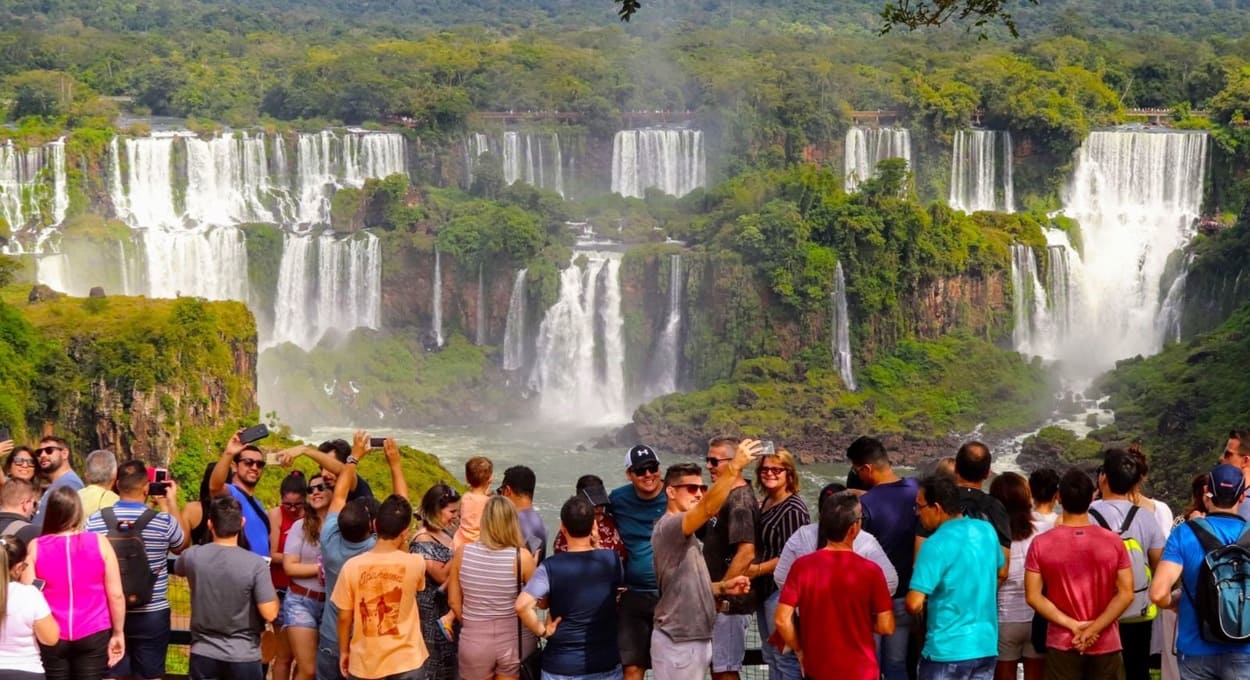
(679, 660)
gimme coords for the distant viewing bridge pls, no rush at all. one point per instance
(888, 116)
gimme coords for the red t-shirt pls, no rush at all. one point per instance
(838, 595)
(1078, 567)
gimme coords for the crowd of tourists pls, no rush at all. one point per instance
(1078, 574)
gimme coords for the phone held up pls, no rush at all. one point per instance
(254, 433)
(767, 448)
(377, 442)
(5, 435)
(158, 481)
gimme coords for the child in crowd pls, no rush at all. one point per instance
(479, 473)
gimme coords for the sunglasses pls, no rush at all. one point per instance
(24, 462)
(715, 462)
(692, 488)
(258, 463)
(648, 469)
(771, 471)
(317, 488)
(918, 507)
(48, 450)
(293, 506)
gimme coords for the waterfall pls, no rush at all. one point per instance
(1031, 329)
(579, 367)
(1136, 195)
(865, 147)
(33, 191)
(479, 330)
(1061, 290)
(209, 264)
(1168, 326)
(437, 303)
(327, 285)
(372, 155)
(981, 171)
(667, 159)
(227, 180)
(514, 329)
(529, 157)
(841, 331)
(667, 353)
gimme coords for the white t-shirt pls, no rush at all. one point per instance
(19, 650)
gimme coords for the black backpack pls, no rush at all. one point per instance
(126, 537)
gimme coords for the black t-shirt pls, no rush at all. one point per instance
(362, 489)
(735, 523)
(976, 504)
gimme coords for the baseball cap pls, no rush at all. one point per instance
(640, 455)
(1226, 484)
(596, 494)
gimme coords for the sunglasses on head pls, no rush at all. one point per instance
(48, 449)
(258, 463)
(449, 496)
(646, 469)
(692, 488)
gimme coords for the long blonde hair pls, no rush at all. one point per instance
(501, 528)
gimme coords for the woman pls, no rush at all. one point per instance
(20, 464)
(607, 536)
(25, 619)
(301, 563)
(83, 586)
(194, 513)
(1015, 617)
(482, 593)
(293, 492)
(1197, 499)
(1163, 630)
(439, 508)
(782, 512)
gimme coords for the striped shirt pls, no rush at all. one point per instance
(777, 524)
(159, 536)
(488, 580)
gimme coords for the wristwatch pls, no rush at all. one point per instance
(352, 460)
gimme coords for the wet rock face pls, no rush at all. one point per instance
(41, 293)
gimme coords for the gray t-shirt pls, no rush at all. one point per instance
(227, 583)
(534, 532)
(686, 610)
(1145, 528)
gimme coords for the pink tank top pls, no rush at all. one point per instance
(73, 570)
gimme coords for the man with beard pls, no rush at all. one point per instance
(247, 463)
(52, 457)
(635, 507)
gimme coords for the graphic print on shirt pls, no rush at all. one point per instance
(381, 590)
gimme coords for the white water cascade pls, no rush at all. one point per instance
(514, 329)
(529, 157)
(1136, 195)
(865, 147)
(670, 160)
(667, 357)
(327, 285)
(981, 171)
(840, 333)
(33, 191)
(437, 302)
(227, 180)
(479, 325)
(579, 365)
(1032, 327)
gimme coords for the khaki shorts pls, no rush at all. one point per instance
(489, 648)
(1015, 641)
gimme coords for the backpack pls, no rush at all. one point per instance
(1222, 602)
(126, 537)
(1142, 609)
(13, 527)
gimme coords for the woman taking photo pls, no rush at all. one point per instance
(25, 619)
(782, 512)
(301, 563)
(482, 593)
(293, 492)
(439, 508)
(83, 587)
(20, 464)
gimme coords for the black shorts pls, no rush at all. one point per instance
(634, 620)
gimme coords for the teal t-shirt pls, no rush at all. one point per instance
(957, 570)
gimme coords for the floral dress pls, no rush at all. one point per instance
(432, 603)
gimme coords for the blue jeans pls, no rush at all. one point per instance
(893, 650)
(780, 666)
(614, 674)
(1215, 667)
(972, 669)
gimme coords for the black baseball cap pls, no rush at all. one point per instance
(640, 455)
(597, 494)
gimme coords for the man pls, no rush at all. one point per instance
(247, 463)
(1078, 577)
(17, 506)
(100, 474)
(1182, 561)
(330, 456)
(636, 506)
(518, 487)
(807, 540)
(1044, 487)
(579, 586)
(844, 599)
(890, 516)
(232, 597)
(1237, 454)
(53, 457)
(972, 468)
(681, 644)
(958, 569)
(346, 533)
(379, 629)
(147, 626)
(1119, 476)
(729, 548)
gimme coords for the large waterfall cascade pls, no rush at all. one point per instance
(671, 160)
(981, 171)
(865, 147)
(327, 284)
(579, 367)
(514, 329)
(33, 190)
(1136, 195)
(840, 333)
(530, 157)
(667, 358)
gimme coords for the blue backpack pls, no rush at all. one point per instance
(1222, 602)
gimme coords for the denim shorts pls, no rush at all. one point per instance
(299, 611)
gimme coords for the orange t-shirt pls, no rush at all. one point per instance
(472, 504)
(380, 589)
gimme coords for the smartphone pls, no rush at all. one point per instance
(5, 435)
(157, 488)
(767, 448)
(254, 433)
(38, 583)
(377, 442)
(160, 474)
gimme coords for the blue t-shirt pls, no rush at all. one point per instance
(255, 526)
(635, 518)
(335, 551)
(70, 479)
(1184, 549)
(581, 587)
(890, 516)
(957, 569)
